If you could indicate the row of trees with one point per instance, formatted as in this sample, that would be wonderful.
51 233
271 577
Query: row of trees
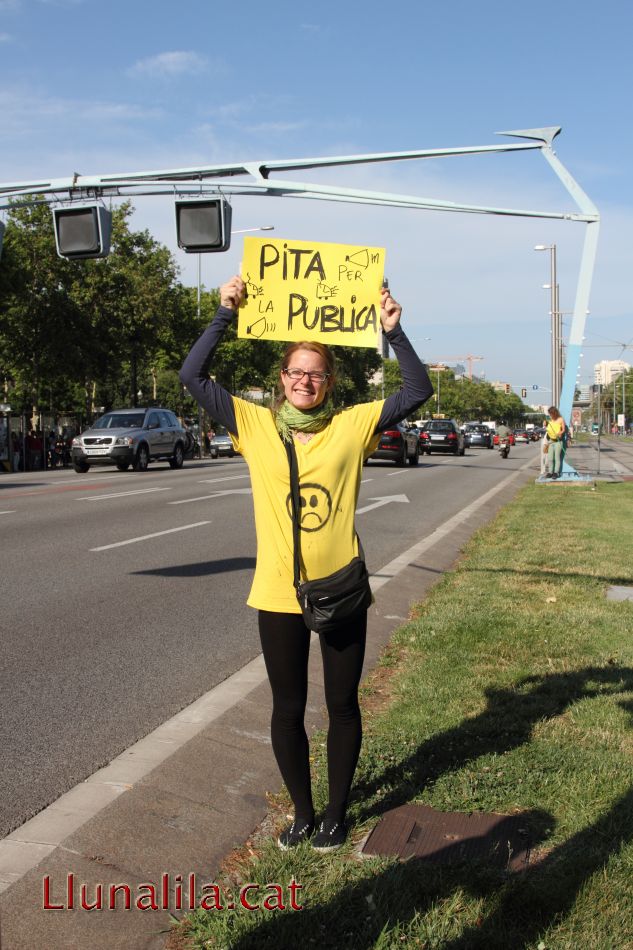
463 399
82 335
78 336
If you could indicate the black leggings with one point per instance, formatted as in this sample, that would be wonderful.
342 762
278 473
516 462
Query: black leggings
286 645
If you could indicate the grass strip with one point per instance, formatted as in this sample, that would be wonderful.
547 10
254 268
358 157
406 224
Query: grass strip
510 690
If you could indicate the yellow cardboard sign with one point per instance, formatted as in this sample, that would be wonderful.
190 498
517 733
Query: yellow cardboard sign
299 290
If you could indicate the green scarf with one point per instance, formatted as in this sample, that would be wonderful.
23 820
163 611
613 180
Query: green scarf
288 418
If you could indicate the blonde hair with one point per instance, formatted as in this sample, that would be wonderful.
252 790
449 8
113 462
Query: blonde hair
322 350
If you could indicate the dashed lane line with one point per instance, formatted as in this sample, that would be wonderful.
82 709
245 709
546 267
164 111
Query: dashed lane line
121 494
148 537
225 478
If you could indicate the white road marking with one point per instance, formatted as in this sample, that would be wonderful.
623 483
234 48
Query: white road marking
366 480
393 568
379 502
121 494
225 478
216 494
88 479
403 471
147 537
10 512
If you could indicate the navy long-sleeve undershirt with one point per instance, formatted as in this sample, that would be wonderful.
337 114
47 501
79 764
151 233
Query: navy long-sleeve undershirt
218 402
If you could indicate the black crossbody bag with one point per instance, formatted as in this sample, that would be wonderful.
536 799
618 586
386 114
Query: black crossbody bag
328 602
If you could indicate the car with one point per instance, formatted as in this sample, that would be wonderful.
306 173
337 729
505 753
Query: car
221 445
442 435
135 437
399 444
478 435
521 435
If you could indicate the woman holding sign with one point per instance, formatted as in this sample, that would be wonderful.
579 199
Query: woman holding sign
330 448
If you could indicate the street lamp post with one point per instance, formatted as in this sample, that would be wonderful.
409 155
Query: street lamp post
555 323
437 368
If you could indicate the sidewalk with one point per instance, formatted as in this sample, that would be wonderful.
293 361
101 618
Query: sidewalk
183 816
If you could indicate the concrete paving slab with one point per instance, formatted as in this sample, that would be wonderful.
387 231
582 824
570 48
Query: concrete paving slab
229 780
619 592
27 924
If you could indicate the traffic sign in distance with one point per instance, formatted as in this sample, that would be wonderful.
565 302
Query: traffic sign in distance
534 386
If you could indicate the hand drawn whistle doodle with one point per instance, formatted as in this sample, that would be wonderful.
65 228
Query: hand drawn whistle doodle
324 292
360 258
252 289
260 327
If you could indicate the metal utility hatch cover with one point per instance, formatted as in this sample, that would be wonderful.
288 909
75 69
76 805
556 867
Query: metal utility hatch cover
417 831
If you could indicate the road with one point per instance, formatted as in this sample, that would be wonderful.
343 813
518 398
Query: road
124 597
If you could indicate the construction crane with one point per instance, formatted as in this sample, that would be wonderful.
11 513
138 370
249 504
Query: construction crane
470 358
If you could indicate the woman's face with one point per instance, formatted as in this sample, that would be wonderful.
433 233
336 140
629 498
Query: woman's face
305 393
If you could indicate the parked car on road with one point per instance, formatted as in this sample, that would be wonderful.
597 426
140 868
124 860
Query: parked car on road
478 436
399 444
133 437
221 445
442 435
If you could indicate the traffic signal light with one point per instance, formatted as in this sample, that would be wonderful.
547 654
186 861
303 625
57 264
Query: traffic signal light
506 388
82 231
523 393
203 226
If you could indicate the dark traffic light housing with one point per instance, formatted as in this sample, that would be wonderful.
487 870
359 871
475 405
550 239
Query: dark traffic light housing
82 231
203 226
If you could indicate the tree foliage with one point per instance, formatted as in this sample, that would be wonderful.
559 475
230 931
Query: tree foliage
78 337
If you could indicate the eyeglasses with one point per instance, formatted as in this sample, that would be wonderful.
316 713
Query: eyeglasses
300 373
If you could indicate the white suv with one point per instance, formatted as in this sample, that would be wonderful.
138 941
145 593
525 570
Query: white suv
133 437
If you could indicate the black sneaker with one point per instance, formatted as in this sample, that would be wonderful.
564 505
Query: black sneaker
331 835
295 834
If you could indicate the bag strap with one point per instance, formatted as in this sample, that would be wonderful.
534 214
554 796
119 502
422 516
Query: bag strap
295 500
291 452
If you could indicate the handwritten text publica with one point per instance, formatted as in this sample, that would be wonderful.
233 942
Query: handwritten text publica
302 263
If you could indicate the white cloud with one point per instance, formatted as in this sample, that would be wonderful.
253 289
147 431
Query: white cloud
25 111
6 38
168 65
275 127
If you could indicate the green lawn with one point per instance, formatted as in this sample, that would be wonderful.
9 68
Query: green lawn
510 690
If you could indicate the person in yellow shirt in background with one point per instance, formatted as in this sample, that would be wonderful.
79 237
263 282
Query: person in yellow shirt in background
555 434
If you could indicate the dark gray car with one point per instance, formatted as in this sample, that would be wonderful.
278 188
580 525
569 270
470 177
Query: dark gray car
133 437
478 436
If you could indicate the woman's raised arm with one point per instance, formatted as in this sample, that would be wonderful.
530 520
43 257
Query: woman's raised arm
417 387
194 374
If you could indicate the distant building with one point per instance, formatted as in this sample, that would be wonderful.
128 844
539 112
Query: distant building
584 395
605 371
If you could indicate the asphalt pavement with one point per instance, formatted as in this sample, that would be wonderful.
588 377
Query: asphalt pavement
171 790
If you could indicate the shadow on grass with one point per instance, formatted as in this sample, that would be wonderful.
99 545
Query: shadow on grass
548 575
521 906
505 724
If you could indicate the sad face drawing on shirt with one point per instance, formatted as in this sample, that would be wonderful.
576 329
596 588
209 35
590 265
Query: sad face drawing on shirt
315 506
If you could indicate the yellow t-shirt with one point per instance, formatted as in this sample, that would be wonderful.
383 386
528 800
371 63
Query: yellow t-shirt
555 429
330 470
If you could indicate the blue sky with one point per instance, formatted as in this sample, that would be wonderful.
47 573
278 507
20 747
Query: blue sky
100 88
